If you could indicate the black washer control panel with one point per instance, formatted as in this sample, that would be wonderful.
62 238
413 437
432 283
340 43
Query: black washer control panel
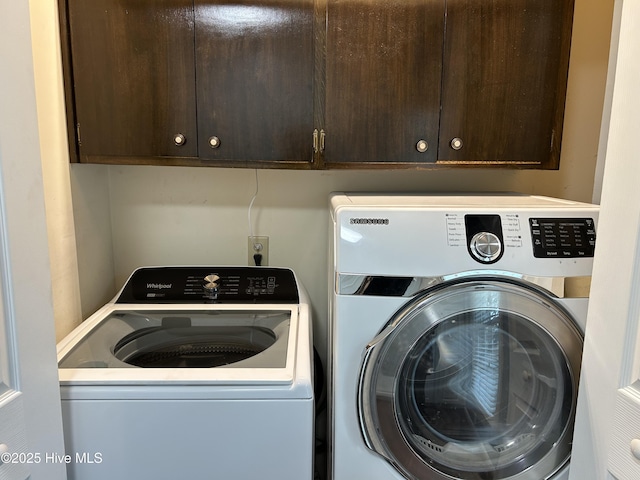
563 237
210 285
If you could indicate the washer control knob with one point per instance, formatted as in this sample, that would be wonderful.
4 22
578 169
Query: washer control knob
211 287
485 246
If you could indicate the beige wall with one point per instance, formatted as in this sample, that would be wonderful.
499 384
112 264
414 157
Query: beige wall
55 165
127 216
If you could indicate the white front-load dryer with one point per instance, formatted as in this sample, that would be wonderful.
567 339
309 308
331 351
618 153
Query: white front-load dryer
456 335
192 372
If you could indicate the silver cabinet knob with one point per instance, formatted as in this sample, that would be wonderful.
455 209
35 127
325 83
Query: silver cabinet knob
214 142
422 146
179 139
456 143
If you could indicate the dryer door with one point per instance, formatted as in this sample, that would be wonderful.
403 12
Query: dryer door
473 380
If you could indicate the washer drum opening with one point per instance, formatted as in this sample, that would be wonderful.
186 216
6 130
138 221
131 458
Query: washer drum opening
193 347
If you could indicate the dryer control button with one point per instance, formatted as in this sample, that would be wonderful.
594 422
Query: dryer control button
486 246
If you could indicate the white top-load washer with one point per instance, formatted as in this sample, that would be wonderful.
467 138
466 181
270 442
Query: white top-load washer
192 372
456 329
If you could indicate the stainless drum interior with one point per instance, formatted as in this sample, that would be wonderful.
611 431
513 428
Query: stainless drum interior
192 347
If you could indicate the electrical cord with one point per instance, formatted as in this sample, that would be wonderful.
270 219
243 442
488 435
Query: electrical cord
257 258
253 199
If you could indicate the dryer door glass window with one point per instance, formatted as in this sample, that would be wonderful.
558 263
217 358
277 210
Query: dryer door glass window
475 380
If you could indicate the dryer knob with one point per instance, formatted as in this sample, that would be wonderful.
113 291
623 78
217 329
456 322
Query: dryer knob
486 246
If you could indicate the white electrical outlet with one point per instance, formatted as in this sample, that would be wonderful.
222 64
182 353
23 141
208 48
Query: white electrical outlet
258 246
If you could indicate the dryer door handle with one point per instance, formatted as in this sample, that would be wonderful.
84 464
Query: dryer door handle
379 338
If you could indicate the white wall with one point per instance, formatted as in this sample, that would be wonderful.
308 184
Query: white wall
126 216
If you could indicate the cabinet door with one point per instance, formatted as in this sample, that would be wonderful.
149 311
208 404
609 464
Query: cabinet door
383 69
504 81
133 74
255 66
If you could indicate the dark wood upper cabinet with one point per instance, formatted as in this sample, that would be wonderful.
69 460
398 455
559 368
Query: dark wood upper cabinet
170 82
133 77
317 83
477 82
504 81
254 69
384 65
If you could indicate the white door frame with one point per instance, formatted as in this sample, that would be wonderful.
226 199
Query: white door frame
29 365
605 421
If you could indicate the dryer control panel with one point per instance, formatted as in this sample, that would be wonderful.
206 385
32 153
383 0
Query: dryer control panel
210 285
551 237
563 237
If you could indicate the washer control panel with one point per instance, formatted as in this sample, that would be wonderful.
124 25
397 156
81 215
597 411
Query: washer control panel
563 237
210 285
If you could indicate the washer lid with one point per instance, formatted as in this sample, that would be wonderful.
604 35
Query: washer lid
473 380
187 339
